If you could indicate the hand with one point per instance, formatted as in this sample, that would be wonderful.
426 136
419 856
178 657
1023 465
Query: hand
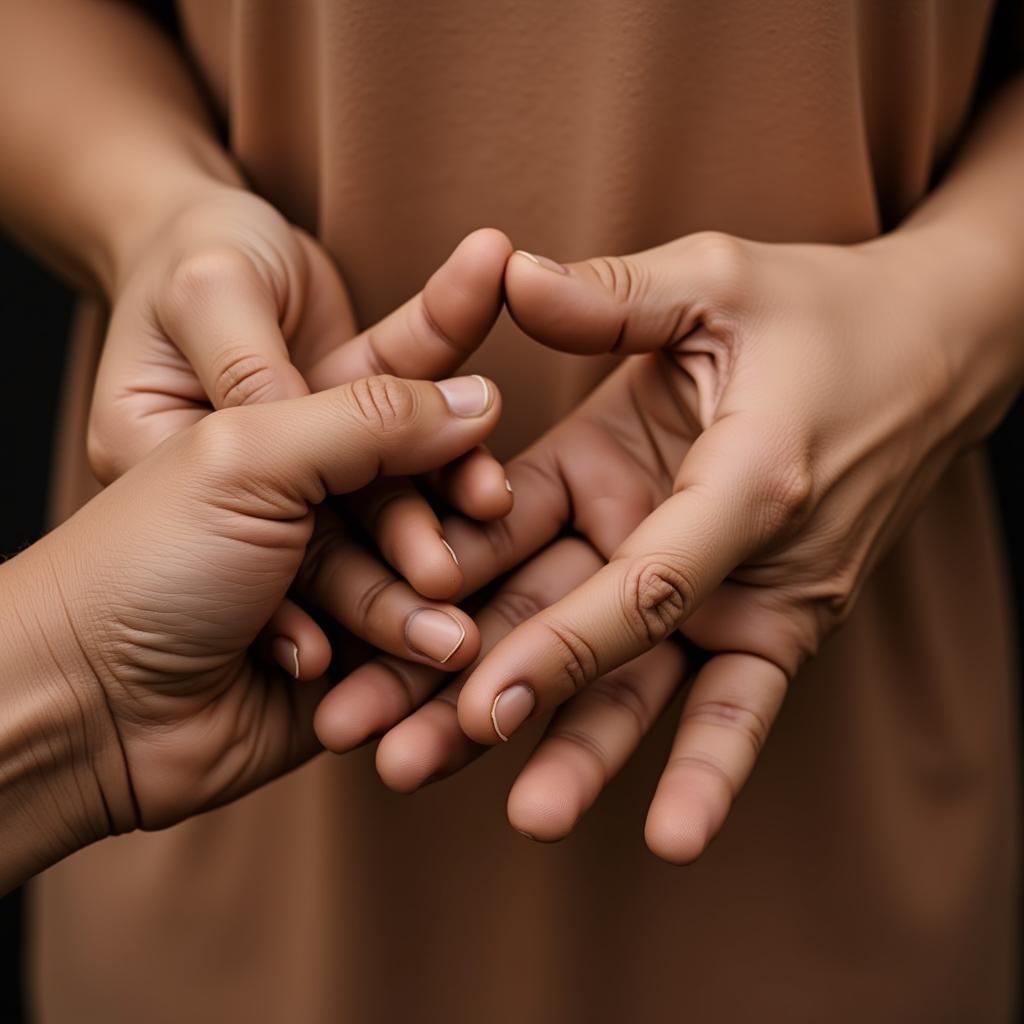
230 305
150 597
793 406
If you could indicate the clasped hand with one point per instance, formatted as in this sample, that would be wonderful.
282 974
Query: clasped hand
779 414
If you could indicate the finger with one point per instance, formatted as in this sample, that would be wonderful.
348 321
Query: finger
577 475
727 506
725 722
381 693
588 742
371 699
407 531
476 484
293 640
338 441
409 536
225 318
428 337
427 746
634 303
432 334
430 744
341 578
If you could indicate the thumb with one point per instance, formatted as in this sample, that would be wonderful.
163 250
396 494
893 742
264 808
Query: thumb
223 316
339 440
633 303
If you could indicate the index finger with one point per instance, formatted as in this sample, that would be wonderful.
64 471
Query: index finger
433 333
664 570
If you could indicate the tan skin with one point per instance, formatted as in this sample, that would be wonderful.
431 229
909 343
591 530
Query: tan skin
794 407
145 701
786 409
217 300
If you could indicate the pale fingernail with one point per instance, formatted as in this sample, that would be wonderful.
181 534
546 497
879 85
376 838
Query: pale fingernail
455 557
526 835
286 654
434 633
543 261
511 708
508 485
466 396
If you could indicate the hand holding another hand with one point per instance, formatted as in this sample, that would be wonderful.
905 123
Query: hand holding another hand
783 411
151 597
228 304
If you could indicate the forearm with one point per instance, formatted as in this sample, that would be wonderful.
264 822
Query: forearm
63 781
966 247
110 134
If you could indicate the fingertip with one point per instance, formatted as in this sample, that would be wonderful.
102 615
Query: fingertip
406 757
477 486
486 249
463 297
561 307
475 715
679 838
296 643
255 379
435 574
547 808
357 709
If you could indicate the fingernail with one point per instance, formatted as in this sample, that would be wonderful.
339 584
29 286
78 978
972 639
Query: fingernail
455 557
286 654
466 396
434 633
511 708
526 835
543 261
508 485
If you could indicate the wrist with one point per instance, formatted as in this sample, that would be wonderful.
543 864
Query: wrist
63 778
964 287
177 174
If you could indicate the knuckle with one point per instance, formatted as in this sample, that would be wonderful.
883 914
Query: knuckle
704 764
425 326
786 496
593 751
724 262
579 661
378 362
622 279
242 378
836 599
733 716
624 691
515 606
220 443
656 598
404 686
203 273
384 403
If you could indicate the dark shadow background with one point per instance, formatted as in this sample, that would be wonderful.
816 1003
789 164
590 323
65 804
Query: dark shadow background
36 311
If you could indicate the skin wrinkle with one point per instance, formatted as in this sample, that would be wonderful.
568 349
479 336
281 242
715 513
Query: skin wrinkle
62 604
